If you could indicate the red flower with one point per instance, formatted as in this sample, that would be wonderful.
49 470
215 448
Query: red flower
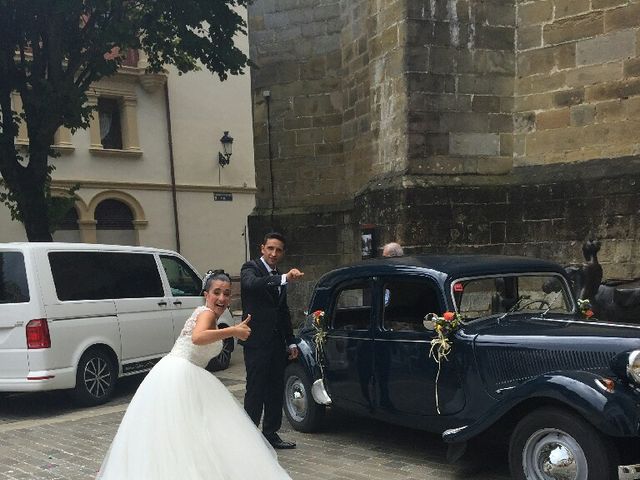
588 313
449 316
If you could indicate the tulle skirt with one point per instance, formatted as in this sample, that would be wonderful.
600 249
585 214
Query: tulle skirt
183 424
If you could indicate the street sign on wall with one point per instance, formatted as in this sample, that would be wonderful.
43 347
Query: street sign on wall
222 197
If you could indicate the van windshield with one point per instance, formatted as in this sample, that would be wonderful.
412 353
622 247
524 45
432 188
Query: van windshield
13 278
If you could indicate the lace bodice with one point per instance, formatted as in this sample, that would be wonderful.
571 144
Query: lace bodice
185 348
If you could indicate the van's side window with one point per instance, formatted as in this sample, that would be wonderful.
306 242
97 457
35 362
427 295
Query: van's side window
13 278
182 279
103 275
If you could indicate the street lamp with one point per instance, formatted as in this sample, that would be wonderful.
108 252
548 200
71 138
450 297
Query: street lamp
227 144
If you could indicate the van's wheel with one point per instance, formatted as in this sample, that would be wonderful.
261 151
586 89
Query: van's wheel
223 359
552 443
304 414
95 378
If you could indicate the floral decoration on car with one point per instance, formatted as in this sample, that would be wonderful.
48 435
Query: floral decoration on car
320 336
444 326
585 307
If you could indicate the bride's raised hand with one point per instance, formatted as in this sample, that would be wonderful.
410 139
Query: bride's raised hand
242 329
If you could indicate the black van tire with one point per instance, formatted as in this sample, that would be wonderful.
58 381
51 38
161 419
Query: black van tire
95 378
302 411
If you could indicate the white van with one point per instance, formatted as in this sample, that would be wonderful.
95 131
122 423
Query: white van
78 316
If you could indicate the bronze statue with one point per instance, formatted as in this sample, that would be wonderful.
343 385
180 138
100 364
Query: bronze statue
615 301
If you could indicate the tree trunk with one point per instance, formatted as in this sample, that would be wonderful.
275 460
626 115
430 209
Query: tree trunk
35 215
32 201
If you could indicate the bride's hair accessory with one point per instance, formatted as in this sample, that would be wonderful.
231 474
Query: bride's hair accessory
212 275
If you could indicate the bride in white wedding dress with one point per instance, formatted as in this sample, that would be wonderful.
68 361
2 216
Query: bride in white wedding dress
182 423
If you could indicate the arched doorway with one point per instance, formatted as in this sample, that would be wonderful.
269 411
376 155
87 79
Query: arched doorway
114 223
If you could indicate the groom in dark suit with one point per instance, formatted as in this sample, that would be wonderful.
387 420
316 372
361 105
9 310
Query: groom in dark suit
264 296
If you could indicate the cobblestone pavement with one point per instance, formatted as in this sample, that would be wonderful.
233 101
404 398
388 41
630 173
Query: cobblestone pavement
43 436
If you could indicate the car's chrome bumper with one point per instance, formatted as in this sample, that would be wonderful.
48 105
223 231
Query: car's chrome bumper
629 472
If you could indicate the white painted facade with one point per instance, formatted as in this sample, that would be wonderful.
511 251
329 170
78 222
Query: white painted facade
201 108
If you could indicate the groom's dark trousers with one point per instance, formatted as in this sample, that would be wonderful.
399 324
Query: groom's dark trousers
265 351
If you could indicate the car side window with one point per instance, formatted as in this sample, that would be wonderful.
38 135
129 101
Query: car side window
182 279
13 278
82 276
407 302
104 275
352 310
138 275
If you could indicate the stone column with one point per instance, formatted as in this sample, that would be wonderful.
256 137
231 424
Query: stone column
88 231
62 139
94 124
137 226
130 140
23 136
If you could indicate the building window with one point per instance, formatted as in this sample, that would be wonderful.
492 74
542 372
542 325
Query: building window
131 58
114 223
113 126
110 124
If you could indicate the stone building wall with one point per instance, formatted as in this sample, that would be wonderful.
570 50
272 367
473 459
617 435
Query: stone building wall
460 72
544 213
298 145
577 90
496 126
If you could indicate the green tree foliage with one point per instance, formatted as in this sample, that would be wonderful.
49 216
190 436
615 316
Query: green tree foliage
51 51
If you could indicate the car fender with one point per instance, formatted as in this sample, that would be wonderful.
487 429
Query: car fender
614 413
307 358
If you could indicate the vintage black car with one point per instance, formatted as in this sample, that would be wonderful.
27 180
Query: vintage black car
526 364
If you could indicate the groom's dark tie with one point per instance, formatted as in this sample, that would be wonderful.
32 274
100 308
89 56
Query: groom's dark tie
275 272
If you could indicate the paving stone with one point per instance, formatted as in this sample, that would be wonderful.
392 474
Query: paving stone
60 442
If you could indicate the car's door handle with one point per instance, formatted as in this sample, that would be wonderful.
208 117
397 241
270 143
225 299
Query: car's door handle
177 302
162 303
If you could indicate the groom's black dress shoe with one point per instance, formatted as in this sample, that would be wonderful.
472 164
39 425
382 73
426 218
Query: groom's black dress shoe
276 442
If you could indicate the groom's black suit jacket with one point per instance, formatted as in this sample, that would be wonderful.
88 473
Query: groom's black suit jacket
270 316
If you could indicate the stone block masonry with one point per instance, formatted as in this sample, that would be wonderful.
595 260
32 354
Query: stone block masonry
584 60
450 125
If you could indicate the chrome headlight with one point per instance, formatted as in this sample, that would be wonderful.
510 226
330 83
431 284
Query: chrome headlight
633 366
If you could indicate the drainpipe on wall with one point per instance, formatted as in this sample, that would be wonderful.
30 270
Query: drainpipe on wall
267 97
171 164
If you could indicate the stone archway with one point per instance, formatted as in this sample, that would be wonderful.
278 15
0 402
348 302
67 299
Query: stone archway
78 214
107 232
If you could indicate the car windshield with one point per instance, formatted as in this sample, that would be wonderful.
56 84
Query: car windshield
481 297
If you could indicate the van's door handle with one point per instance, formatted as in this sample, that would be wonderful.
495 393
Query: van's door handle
177 302
162 303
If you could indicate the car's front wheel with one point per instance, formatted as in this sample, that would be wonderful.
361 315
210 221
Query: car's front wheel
552 443
95 378
304 414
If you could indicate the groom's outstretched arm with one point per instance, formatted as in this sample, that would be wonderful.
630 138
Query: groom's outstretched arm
251 280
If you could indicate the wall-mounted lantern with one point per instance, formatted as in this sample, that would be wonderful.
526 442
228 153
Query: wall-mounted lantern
227 145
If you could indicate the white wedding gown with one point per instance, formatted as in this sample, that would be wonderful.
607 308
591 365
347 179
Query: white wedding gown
183 424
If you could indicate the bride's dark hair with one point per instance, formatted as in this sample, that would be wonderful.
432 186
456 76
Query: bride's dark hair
213 275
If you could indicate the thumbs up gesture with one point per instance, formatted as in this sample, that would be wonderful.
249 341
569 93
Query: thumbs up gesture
242 330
